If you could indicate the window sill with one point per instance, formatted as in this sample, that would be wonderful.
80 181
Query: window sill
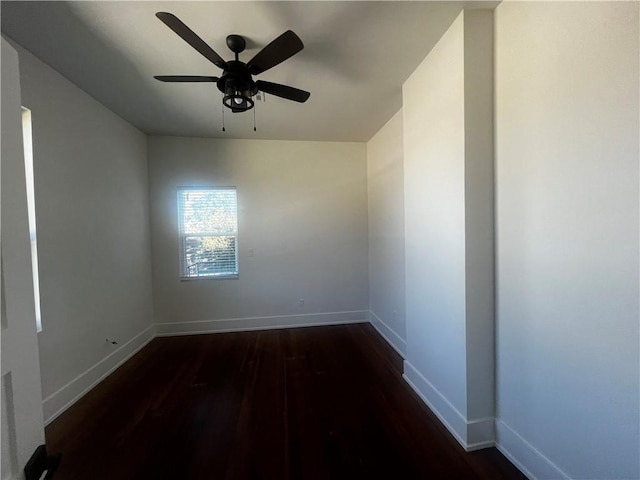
210 277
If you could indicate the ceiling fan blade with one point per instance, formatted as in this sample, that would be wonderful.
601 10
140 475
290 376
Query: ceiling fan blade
283 91
283 47
184 32
185 78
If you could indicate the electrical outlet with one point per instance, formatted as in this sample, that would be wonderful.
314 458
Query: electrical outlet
301 302
251 252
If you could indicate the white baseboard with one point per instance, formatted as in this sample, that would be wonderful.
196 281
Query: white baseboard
480 434
62 399
439 405
471 434
392 338
525 456
260 323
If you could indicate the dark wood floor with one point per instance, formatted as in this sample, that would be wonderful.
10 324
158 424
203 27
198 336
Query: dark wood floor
307 403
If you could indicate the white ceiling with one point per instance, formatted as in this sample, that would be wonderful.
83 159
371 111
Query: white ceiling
356 57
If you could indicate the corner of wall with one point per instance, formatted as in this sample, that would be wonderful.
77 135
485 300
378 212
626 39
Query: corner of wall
449 246
470 434
391 337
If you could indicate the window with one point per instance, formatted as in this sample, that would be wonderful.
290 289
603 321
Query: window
208 219
31 210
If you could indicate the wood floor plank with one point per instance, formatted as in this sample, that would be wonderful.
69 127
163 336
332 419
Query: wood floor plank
307 403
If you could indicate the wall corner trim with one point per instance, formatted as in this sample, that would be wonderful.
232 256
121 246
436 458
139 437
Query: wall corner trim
386 332
471 434
59 401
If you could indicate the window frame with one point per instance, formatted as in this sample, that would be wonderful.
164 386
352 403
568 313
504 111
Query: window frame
182 236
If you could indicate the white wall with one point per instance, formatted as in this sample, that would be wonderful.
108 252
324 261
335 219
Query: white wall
385 182
479 213
303 212
448 185
91 188
567 211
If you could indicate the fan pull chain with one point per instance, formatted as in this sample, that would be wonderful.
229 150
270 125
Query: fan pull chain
222 103
254 118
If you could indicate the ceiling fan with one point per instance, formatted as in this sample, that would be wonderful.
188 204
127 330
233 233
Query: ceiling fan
236 83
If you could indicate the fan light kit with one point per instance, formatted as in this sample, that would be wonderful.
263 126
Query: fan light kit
236 83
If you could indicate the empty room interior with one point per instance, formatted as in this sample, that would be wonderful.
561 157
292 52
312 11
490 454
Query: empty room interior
286 240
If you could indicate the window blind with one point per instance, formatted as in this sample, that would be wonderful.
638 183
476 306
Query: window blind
208 231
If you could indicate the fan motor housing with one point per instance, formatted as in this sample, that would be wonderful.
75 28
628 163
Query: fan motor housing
237 86
237 75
